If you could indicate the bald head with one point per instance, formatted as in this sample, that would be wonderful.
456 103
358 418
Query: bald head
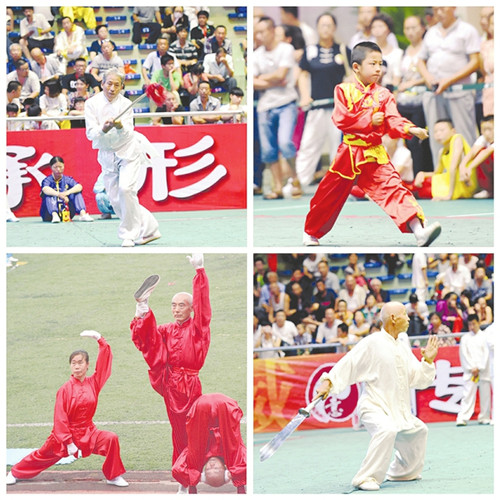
37 55
394 318
215 472
182 306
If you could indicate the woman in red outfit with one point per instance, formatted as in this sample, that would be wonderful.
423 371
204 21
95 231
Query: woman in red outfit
74 432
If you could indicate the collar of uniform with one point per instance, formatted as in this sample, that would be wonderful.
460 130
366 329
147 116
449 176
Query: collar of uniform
185 323
365 88
387 335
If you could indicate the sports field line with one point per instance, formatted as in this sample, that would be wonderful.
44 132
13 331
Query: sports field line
243 216
486 214
281 209
278 209
125 422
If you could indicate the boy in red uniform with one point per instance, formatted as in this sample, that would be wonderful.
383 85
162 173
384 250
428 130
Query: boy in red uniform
215 452
365 111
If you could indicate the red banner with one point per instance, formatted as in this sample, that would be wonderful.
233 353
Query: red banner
199 167
282 386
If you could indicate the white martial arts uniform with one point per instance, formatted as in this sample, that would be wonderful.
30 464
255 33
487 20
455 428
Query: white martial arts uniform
389 370
475 353
122 152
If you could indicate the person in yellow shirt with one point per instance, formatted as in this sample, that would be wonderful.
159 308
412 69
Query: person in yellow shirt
445 182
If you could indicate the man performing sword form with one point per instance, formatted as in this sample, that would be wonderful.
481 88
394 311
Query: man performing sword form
122 152
389 370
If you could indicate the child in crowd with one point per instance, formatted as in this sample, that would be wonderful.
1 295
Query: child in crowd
78 109
13 112
235 98
480 158
365 111
445 184
54 102
33 111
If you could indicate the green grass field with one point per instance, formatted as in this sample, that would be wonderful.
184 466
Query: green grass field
53 297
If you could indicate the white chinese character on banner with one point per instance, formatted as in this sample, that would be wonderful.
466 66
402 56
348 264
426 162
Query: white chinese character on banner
17 171
160 164
448 382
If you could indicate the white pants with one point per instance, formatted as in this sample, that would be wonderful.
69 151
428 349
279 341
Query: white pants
120 180
410 448
469 401
317 129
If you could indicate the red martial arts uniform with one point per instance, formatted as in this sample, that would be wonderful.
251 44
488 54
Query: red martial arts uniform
175 353
76 404
213 429
361 159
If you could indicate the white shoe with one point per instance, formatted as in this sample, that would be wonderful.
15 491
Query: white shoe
128 243
146 288
482 195
10 478
117 481
183 490
484 422
149 239
407 478
310 241
461 423
426 235
86 218
55 218
12 218
369 485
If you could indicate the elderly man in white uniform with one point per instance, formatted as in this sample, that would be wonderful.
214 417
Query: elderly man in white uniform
122 152
389 370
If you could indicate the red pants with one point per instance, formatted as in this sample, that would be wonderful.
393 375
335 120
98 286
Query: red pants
425 191
178 406
380 182
106 445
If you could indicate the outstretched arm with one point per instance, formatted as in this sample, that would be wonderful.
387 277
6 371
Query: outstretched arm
201 297
104 359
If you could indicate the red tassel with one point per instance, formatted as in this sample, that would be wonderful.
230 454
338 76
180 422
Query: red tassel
156 93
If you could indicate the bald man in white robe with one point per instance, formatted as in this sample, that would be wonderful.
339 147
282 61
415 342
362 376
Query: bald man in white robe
389 370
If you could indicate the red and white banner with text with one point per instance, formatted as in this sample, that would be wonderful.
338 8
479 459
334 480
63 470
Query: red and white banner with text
282 386
199 167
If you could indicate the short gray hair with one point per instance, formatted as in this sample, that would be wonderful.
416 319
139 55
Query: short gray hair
186 295
116 72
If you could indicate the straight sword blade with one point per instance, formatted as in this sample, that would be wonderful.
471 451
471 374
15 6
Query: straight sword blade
270 448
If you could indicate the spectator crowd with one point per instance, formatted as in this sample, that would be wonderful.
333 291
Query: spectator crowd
309 305
52 69
439 67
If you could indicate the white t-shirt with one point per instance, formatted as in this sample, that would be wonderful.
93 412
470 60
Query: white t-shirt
268 61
